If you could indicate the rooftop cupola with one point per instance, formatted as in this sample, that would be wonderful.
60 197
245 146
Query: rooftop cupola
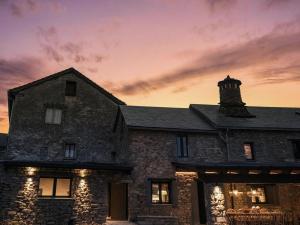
231 103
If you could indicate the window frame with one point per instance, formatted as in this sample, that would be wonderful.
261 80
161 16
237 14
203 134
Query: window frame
180 146
160 183
67 91
295 150
75 151
253 158
54 187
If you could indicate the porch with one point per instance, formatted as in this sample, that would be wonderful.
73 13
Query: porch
246 194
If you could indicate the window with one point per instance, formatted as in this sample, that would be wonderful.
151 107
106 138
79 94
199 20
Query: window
53 116
248 151
296 146
160 192
182 146
263 194
70 151
55 187
258 194
70 88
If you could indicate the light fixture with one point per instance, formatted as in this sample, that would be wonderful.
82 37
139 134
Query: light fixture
211 172
253 172
30 171
274 172
185 173
83 172
235 192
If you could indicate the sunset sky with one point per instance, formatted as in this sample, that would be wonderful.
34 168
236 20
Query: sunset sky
156 52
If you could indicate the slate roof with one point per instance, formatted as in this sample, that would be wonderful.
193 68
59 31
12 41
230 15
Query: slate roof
163 118
267 118
14 91
3 139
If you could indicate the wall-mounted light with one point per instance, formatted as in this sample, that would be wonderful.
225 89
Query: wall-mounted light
185 173
83 172
30 171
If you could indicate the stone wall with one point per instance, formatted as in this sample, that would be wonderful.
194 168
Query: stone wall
269 146
20 204
87 121
152 153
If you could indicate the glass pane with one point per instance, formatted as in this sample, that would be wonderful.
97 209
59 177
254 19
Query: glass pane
258 195
48 117
67 154
57 116
155 193
248 151
63 187
71 153
184 147
46 186
165 193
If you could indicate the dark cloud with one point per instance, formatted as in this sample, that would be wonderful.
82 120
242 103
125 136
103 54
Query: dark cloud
215 5
281 74
60 51
265 50
52 53
273 3
21 8
14 72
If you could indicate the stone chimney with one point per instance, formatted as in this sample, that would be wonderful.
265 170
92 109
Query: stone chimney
231 103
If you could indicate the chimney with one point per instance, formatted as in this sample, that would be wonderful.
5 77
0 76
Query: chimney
231 103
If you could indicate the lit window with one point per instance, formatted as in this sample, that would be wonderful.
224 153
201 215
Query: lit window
248 151
296 146
160 192
53 116
258 195
182 146
55 187
70 151
70 88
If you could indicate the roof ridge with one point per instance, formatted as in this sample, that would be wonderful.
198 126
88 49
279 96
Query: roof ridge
161 107
253 106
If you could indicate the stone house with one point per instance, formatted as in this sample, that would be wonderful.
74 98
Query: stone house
75 154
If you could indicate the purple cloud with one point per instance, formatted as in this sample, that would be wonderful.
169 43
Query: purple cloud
265 50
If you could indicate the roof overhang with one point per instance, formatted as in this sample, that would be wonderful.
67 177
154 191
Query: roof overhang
69 165
237 172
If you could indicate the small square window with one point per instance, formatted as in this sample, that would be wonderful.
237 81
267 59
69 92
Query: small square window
182 146
160 192
70 151
71 87
54 187
248 151
296 146
53 116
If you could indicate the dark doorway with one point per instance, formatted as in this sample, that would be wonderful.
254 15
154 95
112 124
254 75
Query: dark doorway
118 201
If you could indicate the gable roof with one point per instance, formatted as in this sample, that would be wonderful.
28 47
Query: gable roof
267 118
14 91
162 118
3 139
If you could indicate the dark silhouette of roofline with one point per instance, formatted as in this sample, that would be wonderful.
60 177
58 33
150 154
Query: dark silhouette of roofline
12 92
